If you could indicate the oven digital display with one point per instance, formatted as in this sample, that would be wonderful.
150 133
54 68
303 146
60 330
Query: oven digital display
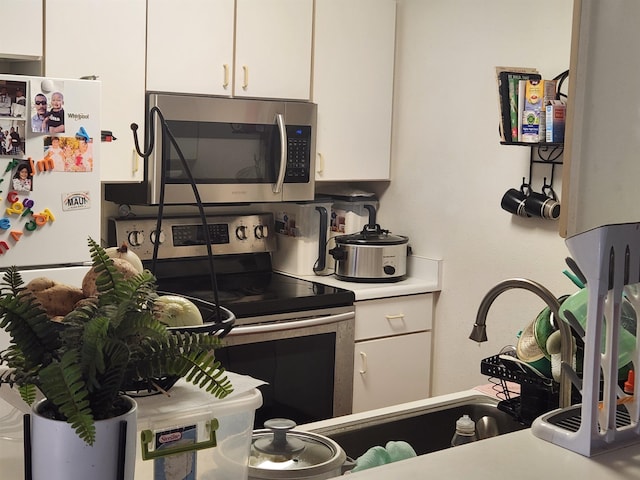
188 235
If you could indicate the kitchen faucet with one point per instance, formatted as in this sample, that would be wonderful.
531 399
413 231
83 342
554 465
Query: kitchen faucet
479 332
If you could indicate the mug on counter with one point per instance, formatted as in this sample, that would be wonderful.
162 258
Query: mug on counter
544 205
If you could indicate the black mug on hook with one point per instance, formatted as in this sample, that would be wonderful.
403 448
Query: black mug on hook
544 205
513 201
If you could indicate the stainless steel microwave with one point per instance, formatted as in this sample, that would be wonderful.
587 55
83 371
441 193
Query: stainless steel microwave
237 150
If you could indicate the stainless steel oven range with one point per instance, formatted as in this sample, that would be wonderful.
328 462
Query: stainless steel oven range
294 334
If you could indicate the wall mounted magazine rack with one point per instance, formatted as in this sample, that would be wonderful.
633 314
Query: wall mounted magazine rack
607 419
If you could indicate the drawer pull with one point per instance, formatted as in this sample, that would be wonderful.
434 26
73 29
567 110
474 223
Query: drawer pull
363 363
395 317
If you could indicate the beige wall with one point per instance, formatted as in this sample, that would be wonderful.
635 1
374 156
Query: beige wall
449 170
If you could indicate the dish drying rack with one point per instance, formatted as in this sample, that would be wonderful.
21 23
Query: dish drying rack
536 395
609 257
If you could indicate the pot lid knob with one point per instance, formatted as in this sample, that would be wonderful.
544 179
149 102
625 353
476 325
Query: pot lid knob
280 444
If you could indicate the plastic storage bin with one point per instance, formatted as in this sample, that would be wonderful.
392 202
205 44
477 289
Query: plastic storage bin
302 232
182 418
351 214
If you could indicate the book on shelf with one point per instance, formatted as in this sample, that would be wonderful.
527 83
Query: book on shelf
548 96
556 112
507 80
530 110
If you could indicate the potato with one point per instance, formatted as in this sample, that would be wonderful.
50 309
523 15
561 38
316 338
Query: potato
57 299
40 283
89 281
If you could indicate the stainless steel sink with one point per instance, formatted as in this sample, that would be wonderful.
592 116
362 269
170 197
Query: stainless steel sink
427 429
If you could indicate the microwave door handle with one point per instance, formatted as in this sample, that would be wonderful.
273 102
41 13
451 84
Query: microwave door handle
277 187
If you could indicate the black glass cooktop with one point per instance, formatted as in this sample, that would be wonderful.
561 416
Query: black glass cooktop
250 293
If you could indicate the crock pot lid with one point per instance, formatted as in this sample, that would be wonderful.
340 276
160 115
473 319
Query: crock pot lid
317 452
363 238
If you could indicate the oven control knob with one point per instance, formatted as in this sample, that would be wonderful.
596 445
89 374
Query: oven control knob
135 238
157 238
241 232
261 231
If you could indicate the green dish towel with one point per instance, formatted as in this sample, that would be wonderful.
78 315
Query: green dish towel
378 455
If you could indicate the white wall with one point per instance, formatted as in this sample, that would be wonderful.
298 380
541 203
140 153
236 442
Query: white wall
449 170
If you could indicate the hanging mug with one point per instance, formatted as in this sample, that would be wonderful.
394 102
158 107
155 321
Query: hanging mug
543 205
513 201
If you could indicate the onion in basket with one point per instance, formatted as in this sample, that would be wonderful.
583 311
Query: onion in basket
125 253
177 311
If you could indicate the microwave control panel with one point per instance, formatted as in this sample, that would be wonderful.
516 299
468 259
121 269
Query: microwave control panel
298 154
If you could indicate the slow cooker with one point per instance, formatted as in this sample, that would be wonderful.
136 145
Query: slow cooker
278 452
373 255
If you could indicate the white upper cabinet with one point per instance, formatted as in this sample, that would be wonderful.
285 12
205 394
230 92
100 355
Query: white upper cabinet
190 46
105 39
354 51
21 29
273 48
190 49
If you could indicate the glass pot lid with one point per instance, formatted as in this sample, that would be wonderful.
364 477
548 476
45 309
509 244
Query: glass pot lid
278 447
372 235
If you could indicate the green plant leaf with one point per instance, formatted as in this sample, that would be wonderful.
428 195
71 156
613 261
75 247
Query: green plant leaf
84 364
63 385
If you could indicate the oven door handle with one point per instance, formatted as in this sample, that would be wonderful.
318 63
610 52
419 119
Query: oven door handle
277 187
280 326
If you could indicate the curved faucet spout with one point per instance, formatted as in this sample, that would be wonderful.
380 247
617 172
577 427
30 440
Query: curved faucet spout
479 332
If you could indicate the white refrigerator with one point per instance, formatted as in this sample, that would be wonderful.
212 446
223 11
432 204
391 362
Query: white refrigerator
49 176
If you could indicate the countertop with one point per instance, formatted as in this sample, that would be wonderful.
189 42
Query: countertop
424 275
518 455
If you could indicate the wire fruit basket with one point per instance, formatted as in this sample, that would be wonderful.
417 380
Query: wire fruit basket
218 321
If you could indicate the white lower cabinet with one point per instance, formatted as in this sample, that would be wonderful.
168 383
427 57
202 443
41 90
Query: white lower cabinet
392 358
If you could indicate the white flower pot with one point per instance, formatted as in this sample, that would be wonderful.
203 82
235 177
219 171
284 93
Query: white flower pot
57 453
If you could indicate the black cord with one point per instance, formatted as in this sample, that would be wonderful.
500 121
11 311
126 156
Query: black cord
316 271
166 133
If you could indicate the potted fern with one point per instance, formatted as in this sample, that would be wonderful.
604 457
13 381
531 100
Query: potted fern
83 364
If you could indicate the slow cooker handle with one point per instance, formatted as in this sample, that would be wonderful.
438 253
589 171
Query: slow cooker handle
373 230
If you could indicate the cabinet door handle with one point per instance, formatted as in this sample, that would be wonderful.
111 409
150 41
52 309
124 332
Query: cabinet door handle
363 363
135 162
245 84
395 317
225 82
320 166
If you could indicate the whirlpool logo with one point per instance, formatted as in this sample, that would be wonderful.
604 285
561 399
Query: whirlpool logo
76 201
78 116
